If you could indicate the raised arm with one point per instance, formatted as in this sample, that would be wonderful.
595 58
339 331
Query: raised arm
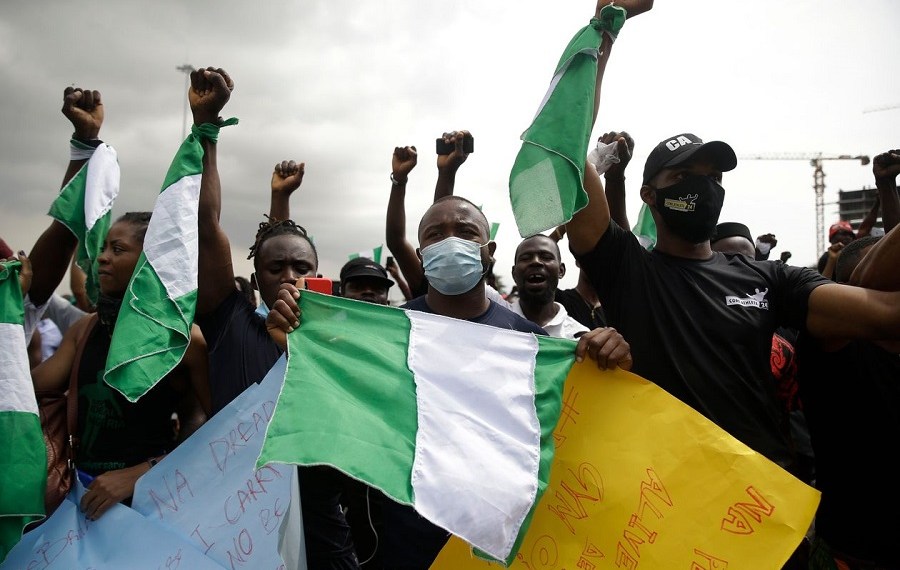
210 90
395 272
591 222
615 176
879 268
448 164
886 167
402 163
53 250
852 312
286 178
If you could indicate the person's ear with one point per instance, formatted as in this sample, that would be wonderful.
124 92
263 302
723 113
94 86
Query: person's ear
648 195
492 247
562 270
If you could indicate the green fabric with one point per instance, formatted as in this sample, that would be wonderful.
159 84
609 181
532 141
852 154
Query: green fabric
546 181
153 330
23 475
68 209
645 228
11 309
23 455
352 412
152 334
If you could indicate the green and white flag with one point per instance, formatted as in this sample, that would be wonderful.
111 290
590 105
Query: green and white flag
494 227
451 417
84 205
153 329
546 182
23 455
373 254
645 228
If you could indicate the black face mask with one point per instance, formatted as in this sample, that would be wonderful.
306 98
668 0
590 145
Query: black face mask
691 207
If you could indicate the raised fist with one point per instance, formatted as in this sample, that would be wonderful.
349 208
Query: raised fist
85 111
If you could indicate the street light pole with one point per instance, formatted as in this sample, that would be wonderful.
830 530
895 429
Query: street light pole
186 69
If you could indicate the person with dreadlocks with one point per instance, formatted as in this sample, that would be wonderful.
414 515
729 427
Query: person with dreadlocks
240 350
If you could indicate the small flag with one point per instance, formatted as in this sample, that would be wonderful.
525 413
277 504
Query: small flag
153 329
23 455
451 417
494 227
373 254
84 205
546 181
645 228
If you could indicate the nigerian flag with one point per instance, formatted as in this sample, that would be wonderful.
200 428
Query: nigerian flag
153 329
645 228
374 254
546 181
84 205
23 456
494 227
451 417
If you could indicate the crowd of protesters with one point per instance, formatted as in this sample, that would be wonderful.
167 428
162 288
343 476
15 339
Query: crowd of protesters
800 364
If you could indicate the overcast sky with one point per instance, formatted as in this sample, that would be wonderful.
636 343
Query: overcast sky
339 84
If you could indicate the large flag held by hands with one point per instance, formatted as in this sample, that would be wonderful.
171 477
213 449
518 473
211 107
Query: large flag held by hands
23 456
153 329
451 417
545 185
84 205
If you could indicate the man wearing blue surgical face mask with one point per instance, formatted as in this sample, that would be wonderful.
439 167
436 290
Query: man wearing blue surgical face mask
456 254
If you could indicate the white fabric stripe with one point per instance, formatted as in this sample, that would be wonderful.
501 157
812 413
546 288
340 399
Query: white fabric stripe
16 389
101 185
478 441
171 243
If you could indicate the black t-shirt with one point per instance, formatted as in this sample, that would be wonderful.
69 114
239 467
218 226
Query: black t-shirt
115 433
702 329
241 352
578 309
851 398
410 541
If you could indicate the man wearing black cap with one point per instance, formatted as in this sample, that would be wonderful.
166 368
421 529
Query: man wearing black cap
364 280
700 323
733 237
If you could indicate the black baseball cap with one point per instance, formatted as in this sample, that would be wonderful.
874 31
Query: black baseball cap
732 229
680 148
364 267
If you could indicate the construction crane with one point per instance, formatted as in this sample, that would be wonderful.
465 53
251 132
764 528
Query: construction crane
815 160
882 108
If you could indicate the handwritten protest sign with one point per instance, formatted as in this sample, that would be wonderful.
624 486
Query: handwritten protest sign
121 538
204 506
642 480
210 491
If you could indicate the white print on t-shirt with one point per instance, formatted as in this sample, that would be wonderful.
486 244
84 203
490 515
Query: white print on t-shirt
682 204
757 300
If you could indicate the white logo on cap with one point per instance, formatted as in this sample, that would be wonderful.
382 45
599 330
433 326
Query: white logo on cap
678 142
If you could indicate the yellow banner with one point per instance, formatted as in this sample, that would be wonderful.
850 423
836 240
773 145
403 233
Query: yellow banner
641 480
